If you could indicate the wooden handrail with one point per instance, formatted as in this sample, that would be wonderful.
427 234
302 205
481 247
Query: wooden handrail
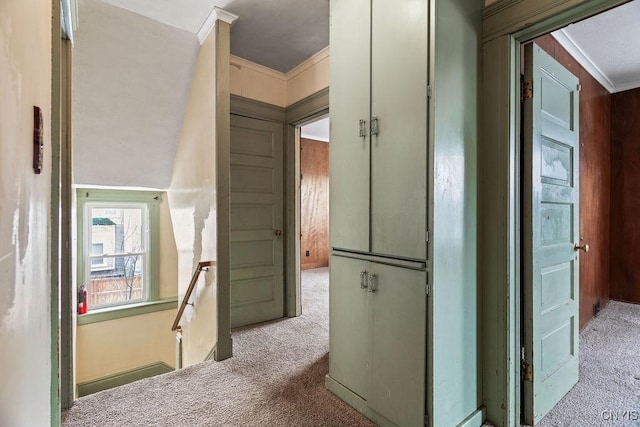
202 265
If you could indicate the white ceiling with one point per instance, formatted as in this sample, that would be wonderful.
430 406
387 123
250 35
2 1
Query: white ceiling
131 81
132 67
317 130
278 34
607 46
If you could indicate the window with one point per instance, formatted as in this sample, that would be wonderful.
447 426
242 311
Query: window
97 249
117 247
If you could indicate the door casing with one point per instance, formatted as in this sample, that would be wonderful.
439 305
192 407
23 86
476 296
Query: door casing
507 24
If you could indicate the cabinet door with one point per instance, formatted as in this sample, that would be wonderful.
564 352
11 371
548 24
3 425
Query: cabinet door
398 355
399 54
349 327
349 156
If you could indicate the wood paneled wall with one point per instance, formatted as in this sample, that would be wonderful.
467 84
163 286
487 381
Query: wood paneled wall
314 195
625 196
595 182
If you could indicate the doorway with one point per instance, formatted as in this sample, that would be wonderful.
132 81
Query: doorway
505 28
314 250
608 99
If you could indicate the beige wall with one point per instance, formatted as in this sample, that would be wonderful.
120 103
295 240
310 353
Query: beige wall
309 77
25 318
113 346
192 201
107 348
254 81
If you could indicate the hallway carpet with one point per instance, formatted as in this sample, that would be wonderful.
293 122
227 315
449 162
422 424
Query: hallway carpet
276 378
608 393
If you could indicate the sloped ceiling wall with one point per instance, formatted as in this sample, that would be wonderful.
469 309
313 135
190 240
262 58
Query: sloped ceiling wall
131 80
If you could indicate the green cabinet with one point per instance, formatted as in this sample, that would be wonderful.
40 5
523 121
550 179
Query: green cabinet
379 109
378 338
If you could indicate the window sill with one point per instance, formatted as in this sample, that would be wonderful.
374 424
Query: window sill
113 313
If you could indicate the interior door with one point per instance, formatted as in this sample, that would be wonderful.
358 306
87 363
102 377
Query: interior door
349 157
399 149
550 212
257 243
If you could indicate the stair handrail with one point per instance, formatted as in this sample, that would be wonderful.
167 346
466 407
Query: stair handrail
202 266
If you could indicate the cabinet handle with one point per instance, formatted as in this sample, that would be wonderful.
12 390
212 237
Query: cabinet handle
375 126
373 282
363 279
363 128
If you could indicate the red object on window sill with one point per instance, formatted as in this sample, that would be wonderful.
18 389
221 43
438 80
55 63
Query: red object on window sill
82 300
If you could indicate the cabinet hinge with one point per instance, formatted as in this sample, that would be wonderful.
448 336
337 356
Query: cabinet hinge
527 371
429 91
527 90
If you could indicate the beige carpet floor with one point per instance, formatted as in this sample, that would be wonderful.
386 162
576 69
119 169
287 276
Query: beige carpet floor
276 378
608 392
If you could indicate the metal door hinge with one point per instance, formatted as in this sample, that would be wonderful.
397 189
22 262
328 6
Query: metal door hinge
527 90
429 91
427 288
579 87
527 371
427 236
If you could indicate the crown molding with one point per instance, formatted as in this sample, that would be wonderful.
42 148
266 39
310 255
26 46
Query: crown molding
308 63
583 59
208 24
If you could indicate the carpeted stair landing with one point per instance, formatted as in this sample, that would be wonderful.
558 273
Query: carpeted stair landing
276 378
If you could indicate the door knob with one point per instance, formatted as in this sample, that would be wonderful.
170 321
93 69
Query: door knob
278 233
578 247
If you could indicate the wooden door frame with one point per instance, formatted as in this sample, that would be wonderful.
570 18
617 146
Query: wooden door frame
506 24
307 110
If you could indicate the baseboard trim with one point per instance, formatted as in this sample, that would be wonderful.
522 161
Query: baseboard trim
212 354
356 402
122 378
474 420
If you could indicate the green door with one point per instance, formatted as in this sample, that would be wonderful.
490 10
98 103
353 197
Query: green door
257 251
550 213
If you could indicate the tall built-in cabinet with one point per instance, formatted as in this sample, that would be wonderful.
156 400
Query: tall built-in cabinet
378 207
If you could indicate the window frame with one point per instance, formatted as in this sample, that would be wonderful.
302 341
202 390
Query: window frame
91 197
